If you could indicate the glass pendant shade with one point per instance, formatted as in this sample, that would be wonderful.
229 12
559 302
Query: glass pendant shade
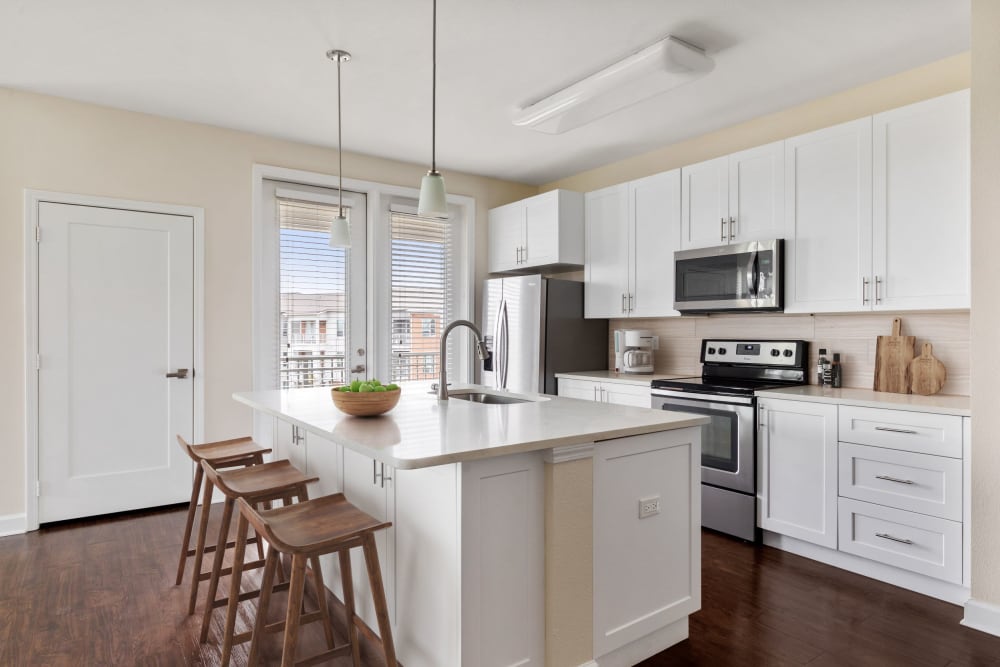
433 200
340 233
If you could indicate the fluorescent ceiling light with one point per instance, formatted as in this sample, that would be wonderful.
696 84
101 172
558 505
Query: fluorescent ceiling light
658 68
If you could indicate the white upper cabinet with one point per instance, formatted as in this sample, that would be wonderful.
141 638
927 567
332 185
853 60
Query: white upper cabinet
880 212
734 199
543 230
828 187
920 247
632 232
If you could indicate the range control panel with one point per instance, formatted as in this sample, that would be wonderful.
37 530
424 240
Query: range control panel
756 352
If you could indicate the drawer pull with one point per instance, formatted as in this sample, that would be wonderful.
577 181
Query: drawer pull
894 479
887 536
896 430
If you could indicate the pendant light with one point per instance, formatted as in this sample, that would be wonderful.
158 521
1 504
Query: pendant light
433 200
340 228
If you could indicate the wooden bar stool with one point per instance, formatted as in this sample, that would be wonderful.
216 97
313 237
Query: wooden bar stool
256 485
306 531
235 453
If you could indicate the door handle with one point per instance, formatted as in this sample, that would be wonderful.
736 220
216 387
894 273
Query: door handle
360 368
623 303
864 291
722 236
180 374
732 234
878 283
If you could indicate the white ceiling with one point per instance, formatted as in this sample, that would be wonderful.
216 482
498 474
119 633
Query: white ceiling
259 65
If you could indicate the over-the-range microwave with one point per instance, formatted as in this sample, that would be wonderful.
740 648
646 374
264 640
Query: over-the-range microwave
736 277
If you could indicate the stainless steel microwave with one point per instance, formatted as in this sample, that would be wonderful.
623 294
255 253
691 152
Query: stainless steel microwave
736 277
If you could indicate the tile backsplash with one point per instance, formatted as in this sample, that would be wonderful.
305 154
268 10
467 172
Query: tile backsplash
851 334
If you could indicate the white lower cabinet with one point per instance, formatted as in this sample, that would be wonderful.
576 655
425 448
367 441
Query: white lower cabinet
618 393
797 470
917 542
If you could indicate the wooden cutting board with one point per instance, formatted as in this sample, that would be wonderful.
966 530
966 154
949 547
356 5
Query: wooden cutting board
927 373
893 355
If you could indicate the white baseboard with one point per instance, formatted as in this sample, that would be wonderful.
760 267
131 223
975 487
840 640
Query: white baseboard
982 616
935 588
644 647
12 524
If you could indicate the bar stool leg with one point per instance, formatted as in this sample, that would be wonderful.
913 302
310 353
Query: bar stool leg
192 506
347 583
378 593
206 504
295 590
234 589
213 581
324 610
266 584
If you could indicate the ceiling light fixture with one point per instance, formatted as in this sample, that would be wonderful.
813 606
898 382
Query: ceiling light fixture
655 69
340 228
433 200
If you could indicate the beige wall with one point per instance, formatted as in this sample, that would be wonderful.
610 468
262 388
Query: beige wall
938 78
852 335
985 304
54 144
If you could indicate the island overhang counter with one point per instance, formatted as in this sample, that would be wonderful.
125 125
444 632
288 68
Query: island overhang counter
551 532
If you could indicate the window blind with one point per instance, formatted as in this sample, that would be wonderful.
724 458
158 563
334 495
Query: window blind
314 307
422 293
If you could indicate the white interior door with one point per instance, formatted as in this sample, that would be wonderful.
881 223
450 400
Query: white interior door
115 316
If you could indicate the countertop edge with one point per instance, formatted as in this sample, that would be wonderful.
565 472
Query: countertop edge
922 403
444 459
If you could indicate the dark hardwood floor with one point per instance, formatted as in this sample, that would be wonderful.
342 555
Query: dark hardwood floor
100 592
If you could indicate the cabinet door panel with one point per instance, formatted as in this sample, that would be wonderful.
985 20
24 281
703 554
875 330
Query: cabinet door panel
371 497
921 204
541 230
582 389
506 236
656 216
757 193
290 444
606 221
828 181
797 470
705 204
627 394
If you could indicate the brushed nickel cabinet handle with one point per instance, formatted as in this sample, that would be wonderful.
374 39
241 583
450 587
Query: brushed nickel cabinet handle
878 283
623 302
887 536
180 374
894 479
895 430
732 234
722 236
864 291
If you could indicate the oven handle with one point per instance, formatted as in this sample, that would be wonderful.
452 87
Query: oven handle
698 399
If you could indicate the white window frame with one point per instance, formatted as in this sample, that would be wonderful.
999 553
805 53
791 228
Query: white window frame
380 197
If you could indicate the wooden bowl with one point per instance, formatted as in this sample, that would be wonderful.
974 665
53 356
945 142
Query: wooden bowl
365 404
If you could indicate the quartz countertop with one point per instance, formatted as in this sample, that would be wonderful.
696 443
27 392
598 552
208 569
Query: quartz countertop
623 378
945 404
422 431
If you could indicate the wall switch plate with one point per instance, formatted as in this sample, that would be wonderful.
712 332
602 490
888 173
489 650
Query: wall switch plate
656 342
649 506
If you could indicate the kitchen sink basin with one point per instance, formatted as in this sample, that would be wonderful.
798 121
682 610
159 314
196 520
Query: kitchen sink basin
490 399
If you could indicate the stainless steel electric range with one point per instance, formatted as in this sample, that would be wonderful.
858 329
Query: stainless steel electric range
732 370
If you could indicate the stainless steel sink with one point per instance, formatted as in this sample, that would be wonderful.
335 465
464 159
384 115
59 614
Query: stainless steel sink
481 397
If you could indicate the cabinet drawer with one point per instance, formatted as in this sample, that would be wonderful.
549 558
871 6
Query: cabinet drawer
904 480
902 429
582 389
620 393
917 542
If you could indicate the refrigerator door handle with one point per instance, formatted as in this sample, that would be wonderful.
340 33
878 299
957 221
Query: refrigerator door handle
504 344
497 333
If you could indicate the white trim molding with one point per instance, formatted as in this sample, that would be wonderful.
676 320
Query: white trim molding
12 524
32 199
569 453
982 616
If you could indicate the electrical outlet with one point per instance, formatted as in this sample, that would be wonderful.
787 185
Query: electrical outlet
656 342
649 506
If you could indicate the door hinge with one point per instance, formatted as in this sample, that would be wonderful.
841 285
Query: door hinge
38 234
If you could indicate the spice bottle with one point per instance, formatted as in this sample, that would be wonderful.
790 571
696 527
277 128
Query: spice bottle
836 371
820 365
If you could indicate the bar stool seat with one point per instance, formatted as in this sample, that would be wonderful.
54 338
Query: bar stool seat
237 452
305 531
256 485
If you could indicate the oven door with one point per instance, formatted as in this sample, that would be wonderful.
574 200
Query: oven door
727 441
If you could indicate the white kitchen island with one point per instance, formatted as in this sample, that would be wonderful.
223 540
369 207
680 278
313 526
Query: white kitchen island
516 537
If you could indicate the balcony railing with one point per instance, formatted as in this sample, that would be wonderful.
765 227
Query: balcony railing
312 370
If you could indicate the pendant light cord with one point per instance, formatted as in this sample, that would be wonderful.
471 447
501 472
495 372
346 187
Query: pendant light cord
340 148
434 87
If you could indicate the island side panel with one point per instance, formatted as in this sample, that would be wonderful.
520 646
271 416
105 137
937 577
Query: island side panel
503 561
647 569
569 557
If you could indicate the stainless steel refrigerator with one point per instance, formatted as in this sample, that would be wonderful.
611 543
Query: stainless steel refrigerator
534 328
